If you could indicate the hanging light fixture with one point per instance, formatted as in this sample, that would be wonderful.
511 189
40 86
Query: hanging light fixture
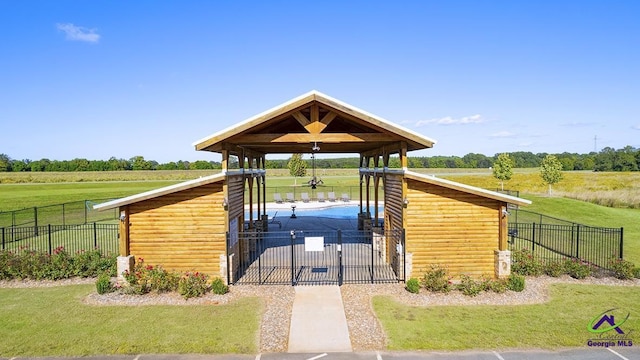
314 150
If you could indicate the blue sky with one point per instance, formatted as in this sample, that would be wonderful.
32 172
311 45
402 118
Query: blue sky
95 79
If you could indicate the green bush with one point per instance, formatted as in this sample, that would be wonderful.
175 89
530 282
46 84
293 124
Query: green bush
103 284
524 263
622 269
515 282
413 286
577 269
219 287
636 273
147 278
554 268
437 279
497 286
193 285
470 287
39 265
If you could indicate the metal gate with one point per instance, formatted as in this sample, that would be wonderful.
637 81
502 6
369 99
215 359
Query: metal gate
316 257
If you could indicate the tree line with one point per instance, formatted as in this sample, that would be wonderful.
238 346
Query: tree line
608 159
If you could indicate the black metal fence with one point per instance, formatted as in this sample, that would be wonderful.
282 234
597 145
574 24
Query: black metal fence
73 238
316 257
70 213
554 239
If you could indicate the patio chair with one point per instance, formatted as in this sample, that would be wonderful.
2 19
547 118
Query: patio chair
305 197
290 197
320 196
277 198
332 196
274 221
345 197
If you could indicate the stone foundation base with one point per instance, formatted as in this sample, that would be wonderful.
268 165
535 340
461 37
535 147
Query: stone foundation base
124 263
503 263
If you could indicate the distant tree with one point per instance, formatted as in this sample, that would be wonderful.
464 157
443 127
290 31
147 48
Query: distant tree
625 159
20 165
5 162
139 163
551 170
297 167
503 169
200 165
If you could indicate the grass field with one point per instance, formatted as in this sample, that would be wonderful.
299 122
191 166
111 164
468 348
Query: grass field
31 326
55 188
562 322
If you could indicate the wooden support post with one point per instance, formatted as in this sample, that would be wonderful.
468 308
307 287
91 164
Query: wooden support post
504 228
123 243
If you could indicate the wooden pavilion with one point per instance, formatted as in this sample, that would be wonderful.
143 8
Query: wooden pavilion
192 225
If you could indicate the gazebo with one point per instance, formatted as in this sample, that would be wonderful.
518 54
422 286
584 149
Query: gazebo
202 224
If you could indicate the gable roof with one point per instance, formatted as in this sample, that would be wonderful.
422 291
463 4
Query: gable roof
294 126
160 192
430 179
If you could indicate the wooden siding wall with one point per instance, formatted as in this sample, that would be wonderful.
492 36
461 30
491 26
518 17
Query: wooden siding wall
183 231
451 228
235 185
393 206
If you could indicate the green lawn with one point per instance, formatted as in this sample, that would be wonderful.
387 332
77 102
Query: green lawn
54 321
560 323
594 215
20 196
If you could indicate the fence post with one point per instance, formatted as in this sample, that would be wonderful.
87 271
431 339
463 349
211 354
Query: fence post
95 236
371 237
85 211
35 220
621 241
577 241
340 275
63 218
533 239
49 236
404 255
292 235
228 264
2 238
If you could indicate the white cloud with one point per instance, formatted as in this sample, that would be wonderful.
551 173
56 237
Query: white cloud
636 127
79 33
502 134
578 124
448 120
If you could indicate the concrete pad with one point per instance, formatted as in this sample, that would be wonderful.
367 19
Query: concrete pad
318 322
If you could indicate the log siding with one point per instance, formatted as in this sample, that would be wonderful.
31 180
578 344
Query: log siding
183 231
451 228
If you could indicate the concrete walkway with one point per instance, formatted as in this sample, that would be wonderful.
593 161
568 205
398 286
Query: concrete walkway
318 322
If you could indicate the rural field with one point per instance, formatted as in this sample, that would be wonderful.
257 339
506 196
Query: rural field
608 199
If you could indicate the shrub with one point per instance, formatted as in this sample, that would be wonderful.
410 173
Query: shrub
554 268
515 282
577 269
193 284
103 284
219 287
497 286
146 278
636 273
413 286
39 265
470 287
437 279
622 269
524 263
